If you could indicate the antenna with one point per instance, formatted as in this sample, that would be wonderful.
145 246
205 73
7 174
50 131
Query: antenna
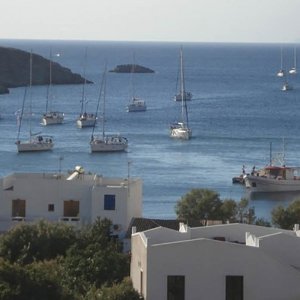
59 166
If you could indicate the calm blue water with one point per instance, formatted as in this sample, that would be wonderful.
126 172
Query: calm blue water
237 110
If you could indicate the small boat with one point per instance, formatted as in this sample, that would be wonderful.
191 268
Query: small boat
281 72
136 104
274 178
186 95
286 87
37 141
85 119
181 130
293 70
106 142
51 117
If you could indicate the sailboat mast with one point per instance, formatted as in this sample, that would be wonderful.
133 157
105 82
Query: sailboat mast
50 80
84 83
184 114
30 95
104 98
295 57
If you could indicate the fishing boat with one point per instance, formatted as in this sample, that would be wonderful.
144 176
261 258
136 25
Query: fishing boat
180 129
136 104
51 117
281 72
106 142
85 119
274 177
36 141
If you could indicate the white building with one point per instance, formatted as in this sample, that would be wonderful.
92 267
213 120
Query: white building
77 198
221 262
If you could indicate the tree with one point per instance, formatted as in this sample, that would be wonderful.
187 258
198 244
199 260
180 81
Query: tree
229 210
39 280
43 240
286 218
199 204
95 259
120 291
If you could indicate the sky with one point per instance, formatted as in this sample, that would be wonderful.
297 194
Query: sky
275 21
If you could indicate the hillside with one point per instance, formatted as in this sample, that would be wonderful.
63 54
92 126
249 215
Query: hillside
15 66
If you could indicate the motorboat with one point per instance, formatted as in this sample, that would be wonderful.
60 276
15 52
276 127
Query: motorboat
136 105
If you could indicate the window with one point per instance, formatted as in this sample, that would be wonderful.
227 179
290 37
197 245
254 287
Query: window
50 207
234 288
175 288
71 208
109 202
18 208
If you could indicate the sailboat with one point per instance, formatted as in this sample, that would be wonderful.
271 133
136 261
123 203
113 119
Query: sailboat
286 86
181 130
181 93
85 119
36 142
293 70
281 72
136 104
106 142
51 117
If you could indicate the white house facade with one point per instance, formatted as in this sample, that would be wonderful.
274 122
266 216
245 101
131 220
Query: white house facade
222 262
78 198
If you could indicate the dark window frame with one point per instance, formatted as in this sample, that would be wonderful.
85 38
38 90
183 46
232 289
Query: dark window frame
109 202
176 287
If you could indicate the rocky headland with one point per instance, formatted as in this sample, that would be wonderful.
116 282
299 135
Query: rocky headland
131 68
15 70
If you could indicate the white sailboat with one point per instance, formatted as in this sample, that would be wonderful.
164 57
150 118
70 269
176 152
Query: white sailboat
106 142
51 117
136 104
281 72
36 142
85 119
293 70
181 130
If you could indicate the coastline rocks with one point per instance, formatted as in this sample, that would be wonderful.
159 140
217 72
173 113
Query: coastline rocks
131 68
15 70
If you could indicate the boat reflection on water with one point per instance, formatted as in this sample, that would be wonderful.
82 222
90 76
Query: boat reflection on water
274 196
265 202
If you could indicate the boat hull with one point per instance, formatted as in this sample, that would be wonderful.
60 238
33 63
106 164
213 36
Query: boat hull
34 146
89 122
136 105
53 118
180 133
109 144
263 184
136 108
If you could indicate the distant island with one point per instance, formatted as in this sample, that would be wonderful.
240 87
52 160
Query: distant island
15 68
131 68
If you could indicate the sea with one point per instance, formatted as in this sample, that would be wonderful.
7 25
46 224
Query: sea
238 110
